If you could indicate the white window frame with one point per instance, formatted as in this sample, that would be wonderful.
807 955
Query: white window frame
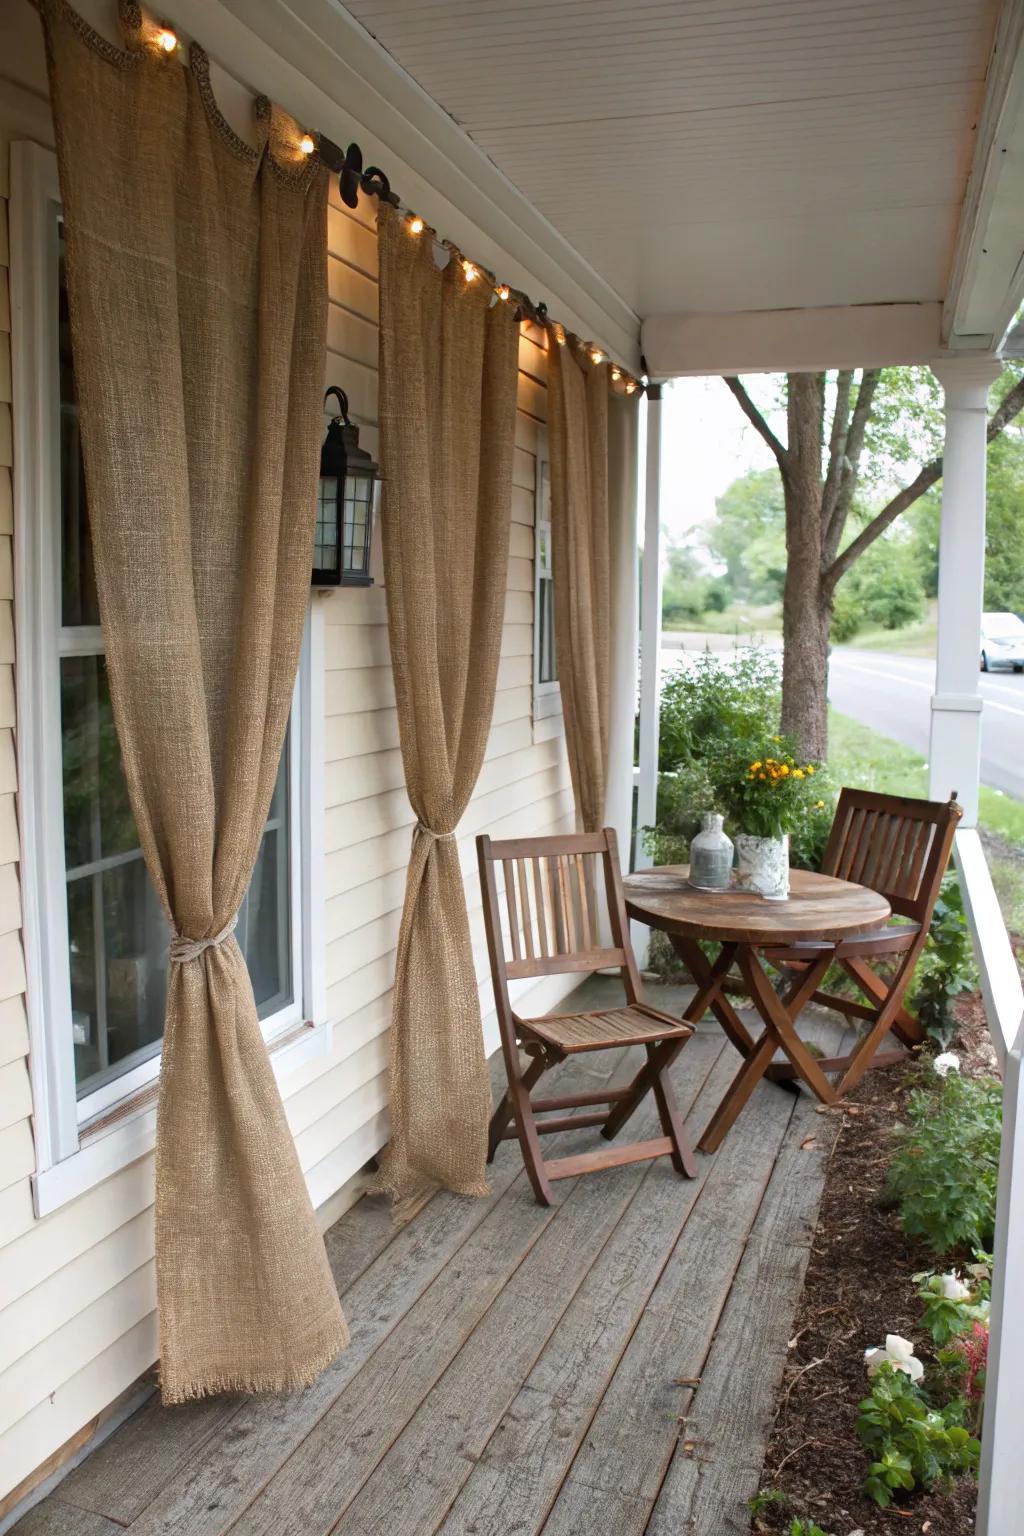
79 1142
547 694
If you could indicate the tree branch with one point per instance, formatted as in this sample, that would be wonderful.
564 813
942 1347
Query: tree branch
1010 407
757 421
836 446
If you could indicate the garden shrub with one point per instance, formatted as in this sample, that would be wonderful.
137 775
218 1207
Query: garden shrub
912 1445
944 1171
716 703
946 967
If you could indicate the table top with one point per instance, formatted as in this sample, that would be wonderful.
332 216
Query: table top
818 907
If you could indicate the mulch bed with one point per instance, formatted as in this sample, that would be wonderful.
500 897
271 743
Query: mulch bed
858 1289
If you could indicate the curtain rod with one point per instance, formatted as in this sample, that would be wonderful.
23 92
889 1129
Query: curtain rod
354 178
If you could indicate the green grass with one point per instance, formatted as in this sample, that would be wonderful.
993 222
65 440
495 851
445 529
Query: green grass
740 619
913 640
865 759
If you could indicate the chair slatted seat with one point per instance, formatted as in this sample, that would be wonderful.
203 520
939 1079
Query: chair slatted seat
542 914
899 847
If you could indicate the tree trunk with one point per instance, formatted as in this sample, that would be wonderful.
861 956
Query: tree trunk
805 613
805 625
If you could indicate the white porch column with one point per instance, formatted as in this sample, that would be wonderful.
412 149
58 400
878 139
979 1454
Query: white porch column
650 628
623 421
955 749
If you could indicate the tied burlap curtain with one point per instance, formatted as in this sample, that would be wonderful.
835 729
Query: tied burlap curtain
197 290
448 372
578 449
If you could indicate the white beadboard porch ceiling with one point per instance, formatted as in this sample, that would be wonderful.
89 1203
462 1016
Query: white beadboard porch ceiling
720 155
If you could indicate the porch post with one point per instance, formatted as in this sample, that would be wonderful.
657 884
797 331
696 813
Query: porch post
623 419
650 629
955 748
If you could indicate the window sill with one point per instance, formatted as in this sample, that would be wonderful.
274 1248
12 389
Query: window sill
128 1130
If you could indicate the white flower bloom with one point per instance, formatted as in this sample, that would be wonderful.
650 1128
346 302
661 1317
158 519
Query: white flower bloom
898 1352
952 1288
948 1062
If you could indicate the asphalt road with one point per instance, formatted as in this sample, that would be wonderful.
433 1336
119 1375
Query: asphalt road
892 693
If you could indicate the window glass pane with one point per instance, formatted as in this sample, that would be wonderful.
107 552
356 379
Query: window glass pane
78 578
117 932
547 669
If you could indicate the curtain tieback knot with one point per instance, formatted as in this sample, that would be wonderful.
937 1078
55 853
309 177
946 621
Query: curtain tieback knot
182 949
422 830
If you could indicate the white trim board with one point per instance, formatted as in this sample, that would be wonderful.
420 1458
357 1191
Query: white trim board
791 340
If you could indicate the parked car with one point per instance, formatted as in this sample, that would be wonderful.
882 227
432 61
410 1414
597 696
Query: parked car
1002 641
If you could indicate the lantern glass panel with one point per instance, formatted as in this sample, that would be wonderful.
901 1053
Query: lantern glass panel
358 495
326 550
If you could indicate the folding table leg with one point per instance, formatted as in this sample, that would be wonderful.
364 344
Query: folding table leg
700 968
779 1016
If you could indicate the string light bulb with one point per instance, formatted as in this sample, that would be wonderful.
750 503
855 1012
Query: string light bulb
469 272
166 40
560 335
414 224
503 292
596 355
616 375
631 386
307 144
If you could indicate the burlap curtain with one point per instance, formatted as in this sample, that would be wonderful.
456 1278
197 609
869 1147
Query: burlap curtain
197 289
578 451
448 370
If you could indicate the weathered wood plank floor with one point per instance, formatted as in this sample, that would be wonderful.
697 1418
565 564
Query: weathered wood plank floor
606 1365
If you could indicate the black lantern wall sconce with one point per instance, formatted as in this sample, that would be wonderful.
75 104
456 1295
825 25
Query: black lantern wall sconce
344 514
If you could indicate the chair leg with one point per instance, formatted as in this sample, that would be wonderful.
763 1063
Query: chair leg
683 1160
505 1110
519 1084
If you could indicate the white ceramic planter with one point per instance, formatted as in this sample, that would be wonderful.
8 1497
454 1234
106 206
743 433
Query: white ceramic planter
763 865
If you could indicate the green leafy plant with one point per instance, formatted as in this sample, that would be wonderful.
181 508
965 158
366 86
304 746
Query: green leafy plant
944 1170
806 1528
766 1500
952 1305
946 967
714 702
912 1445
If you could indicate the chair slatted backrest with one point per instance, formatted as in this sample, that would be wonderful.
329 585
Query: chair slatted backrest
543 907
895 845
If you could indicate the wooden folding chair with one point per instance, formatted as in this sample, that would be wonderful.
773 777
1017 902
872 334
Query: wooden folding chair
899 847
550 927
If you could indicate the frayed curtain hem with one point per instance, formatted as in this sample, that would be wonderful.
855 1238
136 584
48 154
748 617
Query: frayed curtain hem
261 1382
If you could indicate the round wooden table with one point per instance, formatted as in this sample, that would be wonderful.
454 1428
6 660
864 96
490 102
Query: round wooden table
819 911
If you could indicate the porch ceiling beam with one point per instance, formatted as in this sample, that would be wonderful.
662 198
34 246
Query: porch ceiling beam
791 340
986 286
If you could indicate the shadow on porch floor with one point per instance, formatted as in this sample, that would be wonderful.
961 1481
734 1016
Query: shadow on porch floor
609 1364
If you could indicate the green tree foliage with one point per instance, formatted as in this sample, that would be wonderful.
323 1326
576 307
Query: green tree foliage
687 587
1004 526
748 536
884 590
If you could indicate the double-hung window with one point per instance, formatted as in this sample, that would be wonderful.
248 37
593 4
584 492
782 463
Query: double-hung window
546 696
95 935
